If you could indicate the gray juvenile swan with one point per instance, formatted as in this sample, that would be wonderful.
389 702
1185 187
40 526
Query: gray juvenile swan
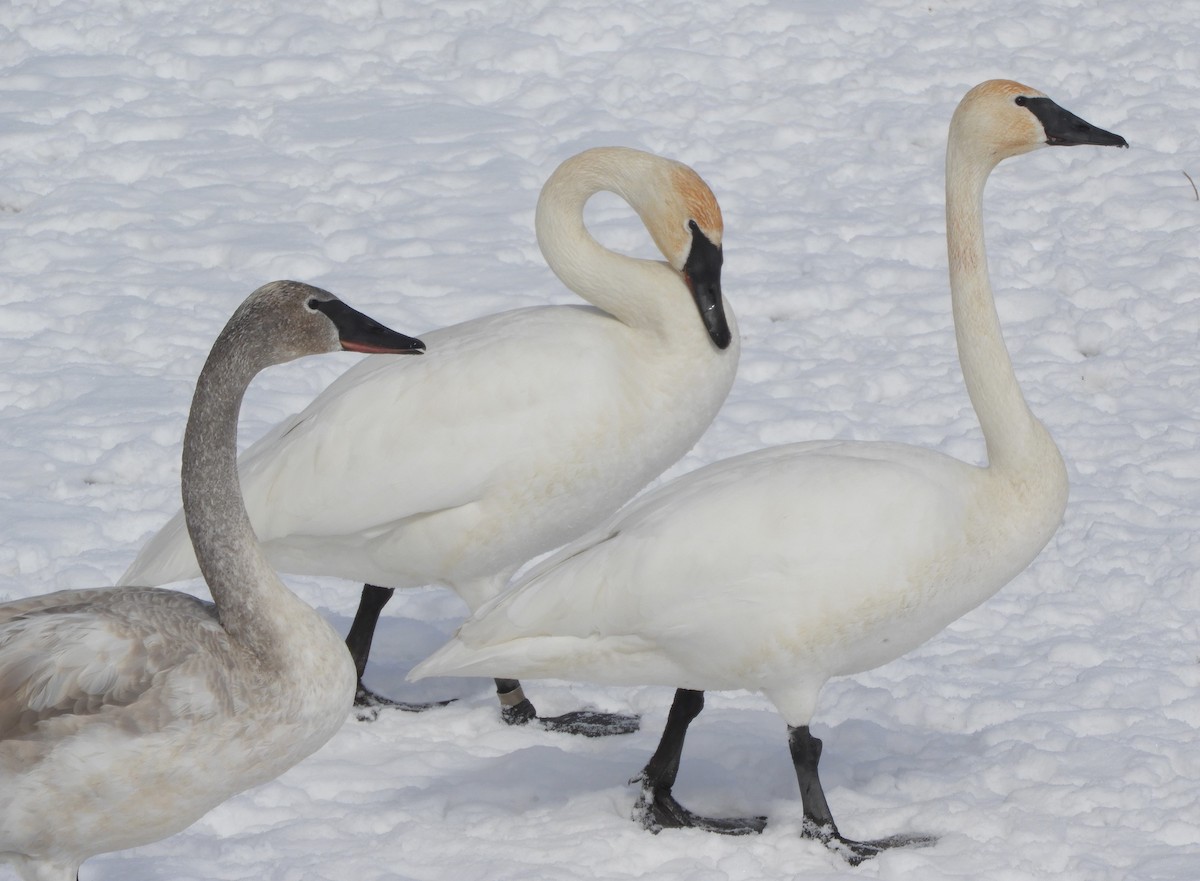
779 569
536 424
127 713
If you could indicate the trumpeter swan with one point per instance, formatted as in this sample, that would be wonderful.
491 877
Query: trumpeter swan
779 569
535 424
127 713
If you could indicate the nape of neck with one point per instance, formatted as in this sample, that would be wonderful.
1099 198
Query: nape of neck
1010 430
230 559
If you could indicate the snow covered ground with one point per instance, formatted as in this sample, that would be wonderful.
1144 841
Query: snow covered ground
159 160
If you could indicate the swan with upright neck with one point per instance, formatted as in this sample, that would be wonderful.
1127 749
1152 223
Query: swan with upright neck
536 424
779 569
127 713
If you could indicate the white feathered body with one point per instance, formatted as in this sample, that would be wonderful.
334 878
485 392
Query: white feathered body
772 571
513 434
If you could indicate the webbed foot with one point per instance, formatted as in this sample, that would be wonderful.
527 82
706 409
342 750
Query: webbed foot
657 809
516 709
856 852
367 704
591 723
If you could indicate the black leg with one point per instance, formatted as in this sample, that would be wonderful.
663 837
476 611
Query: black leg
663 768
656 808
358 640
362 631
818 820
516 709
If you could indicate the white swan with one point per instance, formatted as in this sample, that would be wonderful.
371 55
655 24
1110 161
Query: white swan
777 570
127 713
535 424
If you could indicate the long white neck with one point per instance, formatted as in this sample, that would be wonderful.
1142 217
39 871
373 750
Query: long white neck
253 604
614 282
1009 428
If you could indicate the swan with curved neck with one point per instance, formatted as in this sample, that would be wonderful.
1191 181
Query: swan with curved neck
536 424
779 569
127 713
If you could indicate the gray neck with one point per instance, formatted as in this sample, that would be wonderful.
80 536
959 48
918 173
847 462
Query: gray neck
242 583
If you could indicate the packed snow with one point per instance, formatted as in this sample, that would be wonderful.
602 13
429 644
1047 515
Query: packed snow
158 161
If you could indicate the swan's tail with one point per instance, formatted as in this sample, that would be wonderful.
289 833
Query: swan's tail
456 659
612 660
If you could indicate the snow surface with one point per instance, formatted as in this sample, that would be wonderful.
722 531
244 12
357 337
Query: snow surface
159 160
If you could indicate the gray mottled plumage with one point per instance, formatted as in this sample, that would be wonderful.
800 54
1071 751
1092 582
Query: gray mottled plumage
127 713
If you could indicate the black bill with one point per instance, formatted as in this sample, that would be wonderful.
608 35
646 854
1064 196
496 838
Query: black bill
361 333
1065 129
702 271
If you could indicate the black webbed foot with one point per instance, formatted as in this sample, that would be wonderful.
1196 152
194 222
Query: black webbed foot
657 809
516 709
818 821
367 704
856 852
591 723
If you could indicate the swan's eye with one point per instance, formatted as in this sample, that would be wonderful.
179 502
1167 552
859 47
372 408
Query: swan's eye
693 226
312 304
1021 100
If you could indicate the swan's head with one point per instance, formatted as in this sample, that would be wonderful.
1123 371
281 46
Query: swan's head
679 210
289 319
685 223
1003 118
